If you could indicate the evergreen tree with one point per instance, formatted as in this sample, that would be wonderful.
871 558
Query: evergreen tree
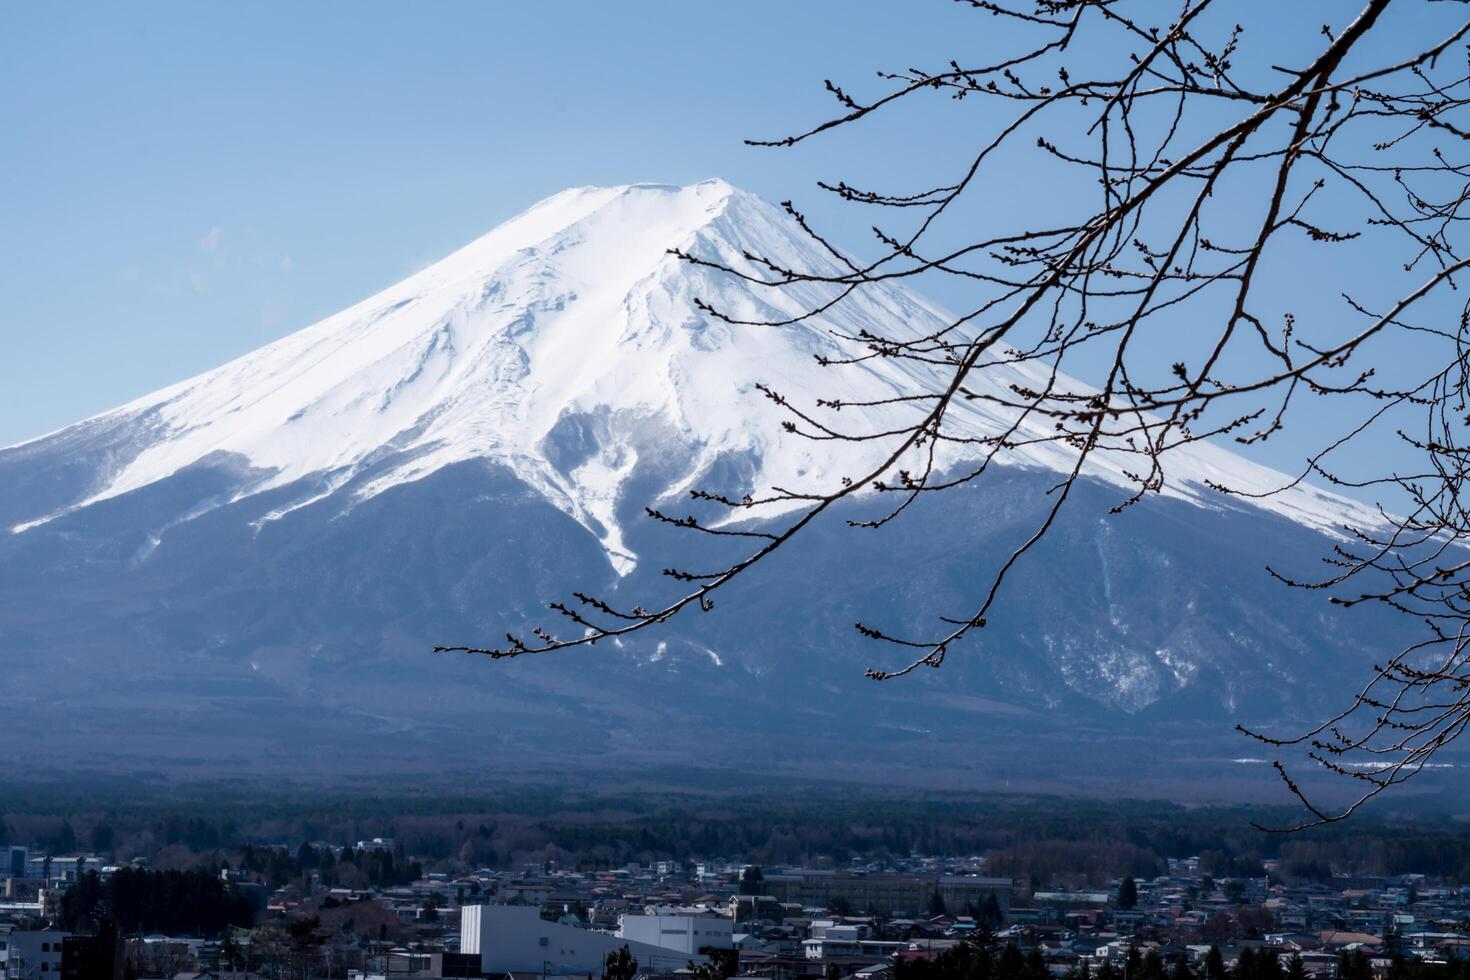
1257 964
1127 893
984 941
1151 968
1214 964
968 960
1354 966
752 881
620 965
326 866
187 902
1011 965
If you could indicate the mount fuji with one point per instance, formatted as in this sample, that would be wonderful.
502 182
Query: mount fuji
249 567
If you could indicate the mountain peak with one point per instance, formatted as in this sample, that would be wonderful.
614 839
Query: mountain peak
566 346
479 354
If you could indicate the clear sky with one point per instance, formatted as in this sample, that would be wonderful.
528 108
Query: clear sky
186 181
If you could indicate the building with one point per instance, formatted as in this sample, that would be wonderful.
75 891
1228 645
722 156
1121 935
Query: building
829 929
842 949
687 934
34 954
515 939
887 894
65 869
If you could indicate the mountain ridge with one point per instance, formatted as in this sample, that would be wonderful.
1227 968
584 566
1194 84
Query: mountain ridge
566 343
249 569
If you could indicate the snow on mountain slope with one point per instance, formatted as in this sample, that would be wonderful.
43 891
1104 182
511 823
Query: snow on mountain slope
566 345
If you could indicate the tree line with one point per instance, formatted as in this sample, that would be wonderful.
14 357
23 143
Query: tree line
1083 843
983 958
143 901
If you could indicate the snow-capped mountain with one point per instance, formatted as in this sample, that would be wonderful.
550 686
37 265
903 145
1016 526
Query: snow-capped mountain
259 558
566 344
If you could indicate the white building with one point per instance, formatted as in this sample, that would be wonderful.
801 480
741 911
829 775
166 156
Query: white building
851 932
34 954
830 946
69 868
515 939
686 933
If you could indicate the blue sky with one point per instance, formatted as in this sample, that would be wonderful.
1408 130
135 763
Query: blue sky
188 181
185 182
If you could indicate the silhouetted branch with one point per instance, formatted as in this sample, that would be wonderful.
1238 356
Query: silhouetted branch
1207 174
